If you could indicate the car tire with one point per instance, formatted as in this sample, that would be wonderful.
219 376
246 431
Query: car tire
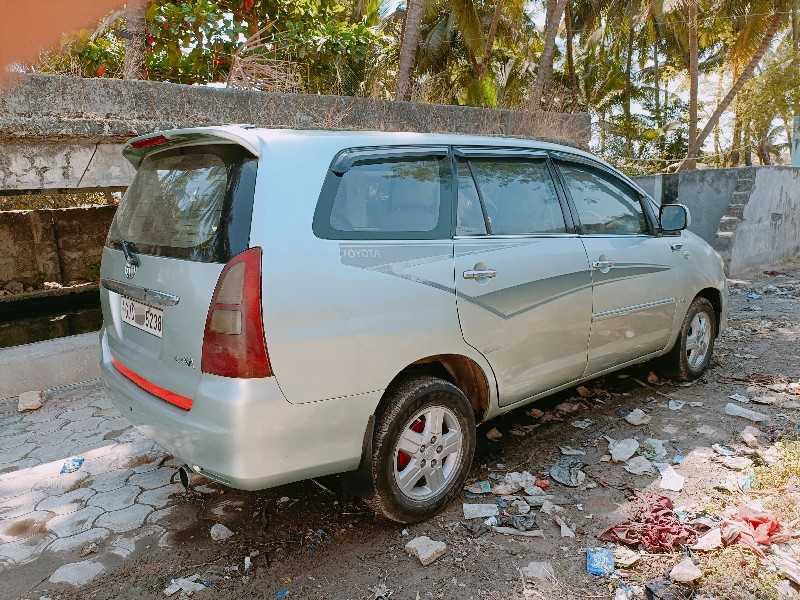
692 352
422 448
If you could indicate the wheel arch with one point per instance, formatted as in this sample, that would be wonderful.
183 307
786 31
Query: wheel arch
460 370
714 296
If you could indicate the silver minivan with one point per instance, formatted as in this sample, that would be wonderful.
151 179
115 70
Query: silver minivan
281 305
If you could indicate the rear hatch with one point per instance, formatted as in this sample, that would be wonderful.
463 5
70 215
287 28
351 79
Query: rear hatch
186 213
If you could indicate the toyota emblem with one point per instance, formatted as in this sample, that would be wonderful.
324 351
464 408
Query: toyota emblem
130 269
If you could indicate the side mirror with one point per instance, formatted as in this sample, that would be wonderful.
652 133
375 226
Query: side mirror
674 217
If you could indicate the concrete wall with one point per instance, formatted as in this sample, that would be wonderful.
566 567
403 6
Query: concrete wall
48 165
47 106
706 193
64 132
751 215
60 243
770 228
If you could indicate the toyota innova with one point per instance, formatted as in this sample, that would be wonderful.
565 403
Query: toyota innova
281 305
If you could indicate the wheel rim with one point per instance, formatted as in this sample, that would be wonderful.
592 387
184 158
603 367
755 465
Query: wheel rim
427 453
698 340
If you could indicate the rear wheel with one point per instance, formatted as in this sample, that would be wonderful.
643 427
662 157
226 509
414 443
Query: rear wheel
695 344
422 448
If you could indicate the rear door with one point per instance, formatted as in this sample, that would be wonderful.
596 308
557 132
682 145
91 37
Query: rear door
522 277
634 279
186 213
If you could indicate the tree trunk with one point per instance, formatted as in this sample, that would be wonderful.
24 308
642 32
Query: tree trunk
717 149
408 49
136 42
626 94
690 161
487 52
735 154
748 150
743 78
544 74
573 77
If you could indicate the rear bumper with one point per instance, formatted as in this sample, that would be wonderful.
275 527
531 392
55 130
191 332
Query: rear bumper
243 432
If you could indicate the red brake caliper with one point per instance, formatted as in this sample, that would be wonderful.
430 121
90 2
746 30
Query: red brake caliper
402 458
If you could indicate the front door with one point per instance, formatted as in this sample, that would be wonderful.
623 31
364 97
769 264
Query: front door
634 279
522 281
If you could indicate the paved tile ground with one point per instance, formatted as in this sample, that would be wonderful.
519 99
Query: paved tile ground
120 494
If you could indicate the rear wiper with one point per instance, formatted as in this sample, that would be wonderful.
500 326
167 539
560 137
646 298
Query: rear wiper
130 257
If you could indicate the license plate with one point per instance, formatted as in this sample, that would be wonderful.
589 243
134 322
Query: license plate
142 316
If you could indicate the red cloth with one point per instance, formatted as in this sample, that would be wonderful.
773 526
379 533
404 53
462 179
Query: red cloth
654 526
751 529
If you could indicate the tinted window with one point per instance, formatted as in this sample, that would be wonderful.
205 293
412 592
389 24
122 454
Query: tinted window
469 219
519 196
193 203
395 197
605 205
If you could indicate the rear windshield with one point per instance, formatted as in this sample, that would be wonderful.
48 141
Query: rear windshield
193 203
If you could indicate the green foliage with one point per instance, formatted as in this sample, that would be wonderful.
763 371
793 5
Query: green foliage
38 280
92 271
351 47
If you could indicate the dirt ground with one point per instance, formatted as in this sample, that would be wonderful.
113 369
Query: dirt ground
305 541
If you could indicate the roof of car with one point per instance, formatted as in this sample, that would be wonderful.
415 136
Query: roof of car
255 138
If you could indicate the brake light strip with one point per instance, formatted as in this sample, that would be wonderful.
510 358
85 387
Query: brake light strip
171 397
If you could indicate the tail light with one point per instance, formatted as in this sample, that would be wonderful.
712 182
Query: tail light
233 341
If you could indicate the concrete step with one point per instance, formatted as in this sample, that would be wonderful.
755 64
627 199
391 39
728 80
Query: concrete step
723 241
736 210
727 223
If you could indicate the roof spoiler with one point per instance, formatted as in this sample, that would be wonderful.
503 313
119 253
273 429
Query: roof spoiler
138 148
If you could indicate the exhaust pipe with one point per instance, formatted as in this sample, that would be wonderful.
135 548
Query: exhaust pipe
190 478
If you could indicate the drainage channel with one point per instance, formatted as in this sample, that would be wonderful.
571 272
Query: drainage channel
30 321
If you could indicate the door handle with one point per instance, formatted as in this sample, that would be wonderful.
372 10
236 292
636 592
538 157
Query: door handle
602 264
479 274
676 246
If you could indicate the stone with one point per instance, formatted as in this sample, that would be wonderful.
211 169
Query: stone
23 551
15 287
66 503
637 417
152 479
623 449
73 523
127 519
160 497
541 571
426 549
735 463
711 540
80 540
685 572
480 511
77 574
219 532
30 401
493 434
117 499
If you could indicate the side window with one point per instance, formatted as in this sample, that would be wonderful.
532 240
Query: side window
469 218
391 198
519 196
605 205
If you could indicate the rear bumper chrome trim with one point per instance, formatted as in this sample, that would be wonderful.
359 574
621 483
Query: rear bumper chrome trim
171 397
151 297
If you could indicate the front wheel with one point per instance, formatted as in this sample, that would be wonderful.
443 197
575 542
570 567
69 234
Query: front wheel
692 352
422 448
